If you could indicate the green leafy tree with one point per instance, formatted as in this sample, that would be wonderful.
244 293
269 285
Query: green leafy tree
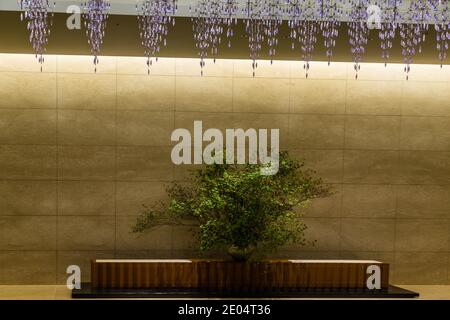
236 206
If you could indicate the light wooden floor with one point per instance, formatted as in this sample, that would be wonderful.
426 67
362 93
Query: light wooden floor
427 292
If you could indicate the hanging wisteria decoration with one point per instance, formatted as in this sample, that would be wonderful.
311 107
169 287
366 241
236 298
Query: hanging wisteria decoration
304 28
308 21
229 9
254 29
293 13
208 28
442 29
408 44
38 14
154 18
358 31
272 16
413 34
308 38
95 16
308 30
442 37
329 13
389 24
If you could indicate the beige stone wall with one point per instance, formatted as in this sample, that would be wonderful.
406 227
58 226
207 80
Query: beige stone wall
81 152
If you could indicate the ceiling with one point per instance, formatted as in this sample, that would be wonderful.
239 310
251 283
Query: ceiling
124 7
128 7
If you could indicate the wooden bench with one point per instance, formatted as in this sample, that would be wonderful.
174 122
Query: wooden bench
229 276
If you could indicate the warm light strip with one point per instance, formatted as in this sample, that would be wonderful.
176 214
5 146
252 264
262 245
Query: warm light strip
336 261
189 261
143 261
222 68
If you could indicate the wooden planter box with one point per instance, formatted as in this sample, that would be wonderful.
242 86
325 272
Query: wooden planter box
228 276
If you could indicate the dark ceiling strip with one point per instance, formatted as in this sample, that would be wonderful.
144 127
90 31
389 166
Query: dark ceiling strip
122 39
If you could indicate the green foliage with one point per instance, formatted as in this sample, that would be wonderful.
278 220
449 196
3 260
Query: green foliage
235 205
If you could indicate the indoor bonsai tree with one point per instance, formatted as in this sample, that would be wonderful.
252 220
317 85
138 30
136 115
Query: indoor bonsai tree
238 208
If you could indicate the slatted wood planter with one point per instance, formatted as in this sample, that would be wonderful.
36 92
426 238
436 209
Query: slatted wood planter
228 276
